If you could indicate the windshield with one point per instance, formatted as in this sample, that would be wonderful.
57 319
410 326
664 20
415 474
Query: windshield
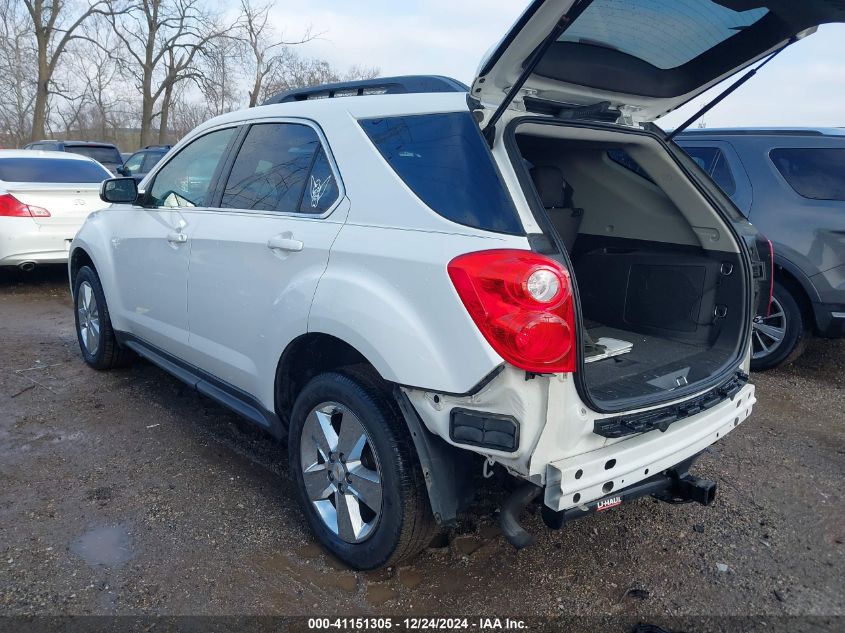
100 154
58 170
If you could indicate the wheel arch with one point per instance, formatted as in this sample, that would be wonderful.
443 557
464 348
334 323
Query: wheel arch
79 257
799 286
306 356
445 467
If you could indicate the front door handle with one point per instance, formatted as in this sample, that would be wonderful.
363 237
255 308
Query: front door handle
285 242
177 237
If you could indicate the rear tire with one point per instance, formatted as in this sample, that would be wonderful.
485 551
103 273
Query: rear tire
378 482
94 332
785 322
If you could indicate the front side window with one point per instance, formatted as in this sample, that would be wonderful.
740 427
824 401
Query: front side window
444 160
133 163
186 179
713 161
151 160
272 171
815 173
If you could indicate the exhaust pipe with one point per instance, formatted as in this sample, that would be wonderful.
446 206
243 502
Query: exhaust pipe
27 267
509 516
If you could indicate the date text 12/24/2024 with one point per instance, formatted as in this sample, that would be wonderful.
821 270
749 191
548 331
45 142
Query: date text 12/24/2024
417 624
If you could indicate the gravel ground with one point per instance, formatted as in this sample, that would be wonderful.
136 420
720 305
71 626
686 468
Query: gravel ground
127 493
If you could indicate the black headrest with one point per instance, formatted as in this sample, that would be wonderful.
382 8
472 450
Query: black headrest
551 186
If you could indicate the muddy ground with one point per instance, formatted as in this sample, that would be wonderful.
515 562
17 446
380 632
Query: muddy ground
127 493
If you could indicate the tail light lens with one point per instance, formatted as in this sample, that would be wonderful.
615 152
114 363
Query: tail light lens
522 303
771 263
11 207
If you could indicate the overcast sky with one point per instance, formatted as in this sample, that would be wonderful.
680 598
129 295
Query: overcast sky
804 86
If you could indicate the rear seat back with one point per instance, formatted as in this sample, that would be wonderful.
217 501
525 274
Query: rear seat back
556 196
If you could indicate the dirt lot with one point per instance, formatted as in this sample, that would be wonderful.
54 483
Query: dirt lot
125 492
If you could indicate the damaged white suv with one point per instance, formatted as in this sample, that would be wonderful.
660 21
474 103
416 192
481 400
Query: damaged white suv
420 281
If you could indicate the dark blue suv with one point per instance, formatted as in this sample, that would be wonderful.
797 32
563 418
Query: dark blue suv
790 183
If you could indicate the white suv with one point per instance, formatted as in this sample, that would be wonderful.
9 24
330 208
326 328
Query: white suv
419 282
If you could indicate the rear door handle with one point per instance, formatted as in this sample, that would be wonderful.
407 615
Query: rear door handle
285 242
177 237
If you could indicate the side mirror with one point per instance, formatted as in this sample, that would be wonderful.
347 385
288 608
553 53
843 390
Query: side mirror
122 171
119 190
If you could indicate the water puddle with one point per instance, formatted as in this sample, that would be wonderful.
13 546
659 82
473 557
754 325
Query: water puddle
106 546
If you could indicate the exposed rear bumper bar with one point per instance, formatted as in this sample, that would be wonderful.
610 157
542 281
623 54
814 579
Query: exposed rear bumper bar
675 485
581 479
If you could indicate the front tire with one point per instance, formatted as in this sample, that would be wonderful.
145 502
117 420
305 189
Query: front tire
94 332
356 472
781 336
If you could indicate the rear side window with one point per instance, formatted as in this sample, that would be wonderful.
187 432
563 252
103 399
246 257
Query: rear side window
621 157
100 154
444 160
818 174
321 190
51 170
713 161
272 168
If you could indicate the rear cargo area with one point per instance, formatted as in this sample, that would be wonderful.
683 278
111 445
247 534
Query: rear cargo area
660 278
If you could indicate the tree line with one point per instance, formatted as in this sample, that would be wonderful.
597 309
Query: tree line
142 71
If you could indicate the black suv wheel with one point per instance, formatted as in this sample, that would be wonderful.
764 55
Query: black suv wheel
781 336
94 332
356 472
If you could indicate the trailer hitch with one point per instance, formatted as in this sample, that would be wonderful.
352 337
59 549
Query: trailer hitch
674 485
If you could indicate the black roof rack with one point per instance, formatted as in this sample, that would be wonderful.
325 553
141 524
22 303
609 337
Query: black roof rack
753 132
412 84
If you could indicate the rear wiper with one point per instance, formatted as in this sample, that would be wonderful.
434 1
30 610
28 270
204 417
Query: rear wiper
726 93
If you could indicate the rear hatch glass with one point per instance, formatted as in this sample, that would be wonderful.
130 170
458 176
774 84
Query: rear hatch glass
108 155
59 170
651 56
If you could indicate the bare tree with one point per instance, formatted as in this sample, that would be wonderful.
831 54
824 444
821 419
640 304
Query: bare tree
94 99
186 114
17 86
220 79
55 25
160 40
295 71
267 52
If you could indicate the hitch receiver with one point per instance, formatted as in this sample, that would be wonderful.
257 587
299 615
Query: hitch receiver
675 486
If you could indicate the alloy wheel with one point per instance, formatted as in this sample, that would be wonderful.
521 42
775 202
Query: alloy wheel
769 332
341 472
89 318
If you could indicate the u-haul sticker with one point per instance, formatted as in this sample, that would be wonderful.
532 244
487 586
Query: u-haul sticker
607 504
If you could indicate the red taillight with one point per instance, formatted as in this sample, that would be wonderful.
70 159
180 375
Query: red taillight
522 303
11 207
771 277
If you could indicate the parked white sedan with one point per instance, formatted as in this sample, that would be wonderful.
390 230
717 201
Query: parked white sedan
44 199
